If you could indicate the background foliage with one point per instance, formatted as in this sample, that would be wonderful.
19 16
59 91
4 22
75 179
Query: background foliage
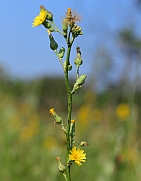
30 142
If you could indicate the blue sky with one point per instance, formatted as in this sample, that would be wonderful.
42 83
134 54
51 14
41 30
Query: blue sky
25 52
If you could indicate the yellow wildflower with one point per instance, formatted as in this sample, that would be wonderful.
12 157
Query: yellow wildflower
49 142
96 114
73 121
38 20
123 111
77 155
51 111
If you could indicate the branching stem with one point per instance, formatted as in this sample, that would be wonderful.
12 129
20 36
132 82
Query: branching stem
68 142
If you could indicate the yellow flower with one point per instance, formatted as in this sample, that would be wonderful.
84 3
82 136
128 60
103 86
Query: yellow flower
73 121
49 142
51 111
123 111
38 20
77 155
96 114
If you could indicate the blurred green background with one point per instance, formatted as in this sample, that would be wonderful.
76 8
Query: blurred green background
30 141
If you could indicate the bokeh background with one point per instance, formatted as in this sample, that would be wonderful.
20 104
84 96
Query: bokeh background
106 109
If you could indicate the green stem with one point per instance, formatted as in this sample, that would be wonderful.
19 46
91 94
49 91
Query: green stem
68 144
77 72
56 29
65 176
59 59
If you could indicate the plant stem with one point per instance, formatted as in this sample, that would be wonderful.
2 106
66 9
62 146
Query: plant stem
68 143
59 59
65 176
56 29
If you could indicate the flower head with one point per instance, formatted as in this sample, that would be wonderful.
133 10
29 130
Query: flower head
61 167
77 155
73 121
51 111
40 19
58 119
123 111
70 18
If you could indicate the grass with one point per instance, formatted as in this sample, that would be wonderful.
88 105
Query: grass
30 142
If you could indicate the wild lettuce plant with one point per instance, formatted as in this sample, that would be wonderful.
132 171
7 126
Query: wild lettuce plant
70 31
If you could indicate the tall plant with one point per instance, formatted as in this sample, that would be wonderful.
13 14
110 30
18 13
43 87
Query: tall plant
70 31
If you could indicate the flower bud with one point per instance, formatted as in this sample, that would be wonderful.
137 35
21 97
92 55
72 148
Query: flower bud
83 143
79 82
76 30
61 167
51 29
47 24
61 52
53 44
50 16
78 60
64 27
58 119
72 128
69 66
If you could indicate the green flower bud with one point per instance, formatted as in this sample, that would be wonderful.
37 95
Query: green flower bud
64 27
61 167
58 120
76 30
79 82
78 60
69 66
53 44
83 143
61 52
47 24
51 29
72 128
49 16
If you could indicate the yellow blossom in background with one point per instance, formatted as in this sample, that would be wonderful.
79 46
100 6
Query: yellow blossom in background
123 111
38 20
90 97
133 154
96 114
24 108
29 130
49 142
77 155
83 114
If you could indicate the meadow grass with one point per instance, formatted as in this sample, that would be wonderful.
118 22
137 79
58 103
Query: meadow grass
30 143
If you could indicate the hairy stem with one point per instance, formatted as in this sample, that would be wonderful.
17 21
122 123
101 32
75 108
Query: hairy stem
68 142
